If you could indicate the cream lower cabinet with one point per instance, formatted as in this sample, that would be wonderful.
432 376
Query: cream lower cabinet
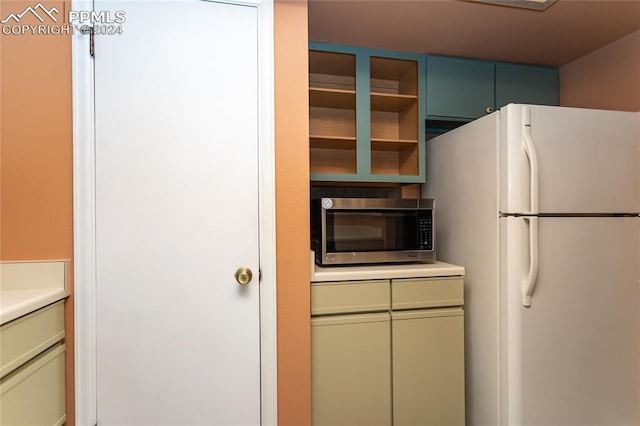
32 367
395 358
428 367
351 354
428 351
350 370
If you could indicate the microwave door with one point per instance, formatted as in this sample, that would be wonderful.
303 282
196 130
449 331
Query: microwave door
355 231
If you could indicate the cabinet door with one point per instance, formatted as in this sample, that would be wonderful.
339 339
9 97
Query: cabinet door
459 87
526 84
428 367
351 370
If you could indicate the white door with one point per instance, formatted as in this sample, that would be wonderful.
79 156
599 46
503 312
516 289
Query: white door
178 339
573 357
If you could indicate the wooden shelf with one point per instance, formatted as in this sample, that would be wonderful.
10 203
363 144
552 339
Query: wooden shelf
332 98
389 102
332 142
392 144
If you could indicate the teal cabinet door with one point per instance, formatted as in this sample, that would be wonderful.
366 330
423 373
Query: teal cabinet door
459 88
526 84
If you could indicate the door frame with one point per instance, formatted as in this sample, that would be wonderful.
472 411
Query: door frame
84 217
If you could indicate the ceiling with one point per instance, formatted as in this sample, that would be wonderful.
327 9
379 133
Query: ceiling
564 32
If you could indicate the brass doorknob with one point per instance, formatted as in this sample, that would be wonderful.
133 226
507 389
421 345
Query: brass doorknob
243 275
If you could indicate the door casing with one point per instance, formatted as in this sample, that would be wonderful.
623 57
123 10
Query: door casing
84 217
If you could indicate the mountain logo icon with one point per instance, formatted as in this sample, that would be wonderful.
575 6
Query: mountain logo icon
43 11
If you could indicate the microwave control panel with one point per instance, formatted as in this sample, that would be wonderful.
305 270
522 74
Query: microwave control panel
425 230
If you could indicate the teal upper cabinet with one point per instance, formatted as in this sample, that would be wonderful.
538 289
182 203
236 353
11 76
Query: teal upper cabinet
526 84
366 115
460 89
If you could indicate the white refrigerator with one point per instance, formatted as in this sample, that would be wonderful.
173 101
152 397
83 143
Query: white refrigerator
541 205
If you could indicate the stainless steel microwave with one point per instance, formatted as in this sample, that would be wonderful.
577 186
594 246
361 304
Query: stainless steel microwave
372 230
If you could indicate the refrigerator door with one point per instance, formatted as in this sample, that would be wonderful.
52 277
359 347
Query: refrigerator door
588 161
573 357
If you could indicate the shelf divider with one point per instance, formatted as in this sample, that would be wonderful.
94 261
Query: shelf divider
388 102
392 144
332 98
332 142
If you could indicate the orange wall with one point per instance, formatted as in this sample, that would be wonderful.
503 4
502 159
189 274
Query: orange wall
36 145
292 212
608 78
36 153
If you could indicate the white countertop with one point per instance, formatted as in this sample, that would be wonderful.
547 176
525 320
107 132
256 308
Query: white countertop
28 286
373 272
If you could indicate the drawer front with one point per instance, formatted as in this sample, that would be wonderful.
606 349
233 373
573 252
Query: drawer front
350 296
426 293
26 337
34 394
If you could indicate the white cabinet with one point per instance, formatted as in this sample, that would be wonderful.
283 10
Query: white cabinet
32 369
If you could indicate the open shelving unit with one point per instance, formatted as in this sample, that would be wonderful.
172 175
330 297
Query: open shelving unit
332 112
394 116
364 115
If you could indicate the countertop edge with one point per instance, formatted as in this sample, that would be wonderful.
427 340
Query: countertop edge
350 273
28 301
27 286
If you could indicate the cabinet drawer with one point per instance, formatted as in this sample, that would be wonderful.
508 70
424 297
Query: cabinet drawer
426 293
26 337
34 394
345 297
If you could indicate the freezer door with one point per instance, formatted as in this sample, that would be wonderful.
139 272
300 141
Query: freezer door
573 357
588 161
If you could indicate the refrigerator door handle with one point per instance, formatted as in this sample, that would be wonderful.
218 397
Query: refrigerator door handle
530 150
529 281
